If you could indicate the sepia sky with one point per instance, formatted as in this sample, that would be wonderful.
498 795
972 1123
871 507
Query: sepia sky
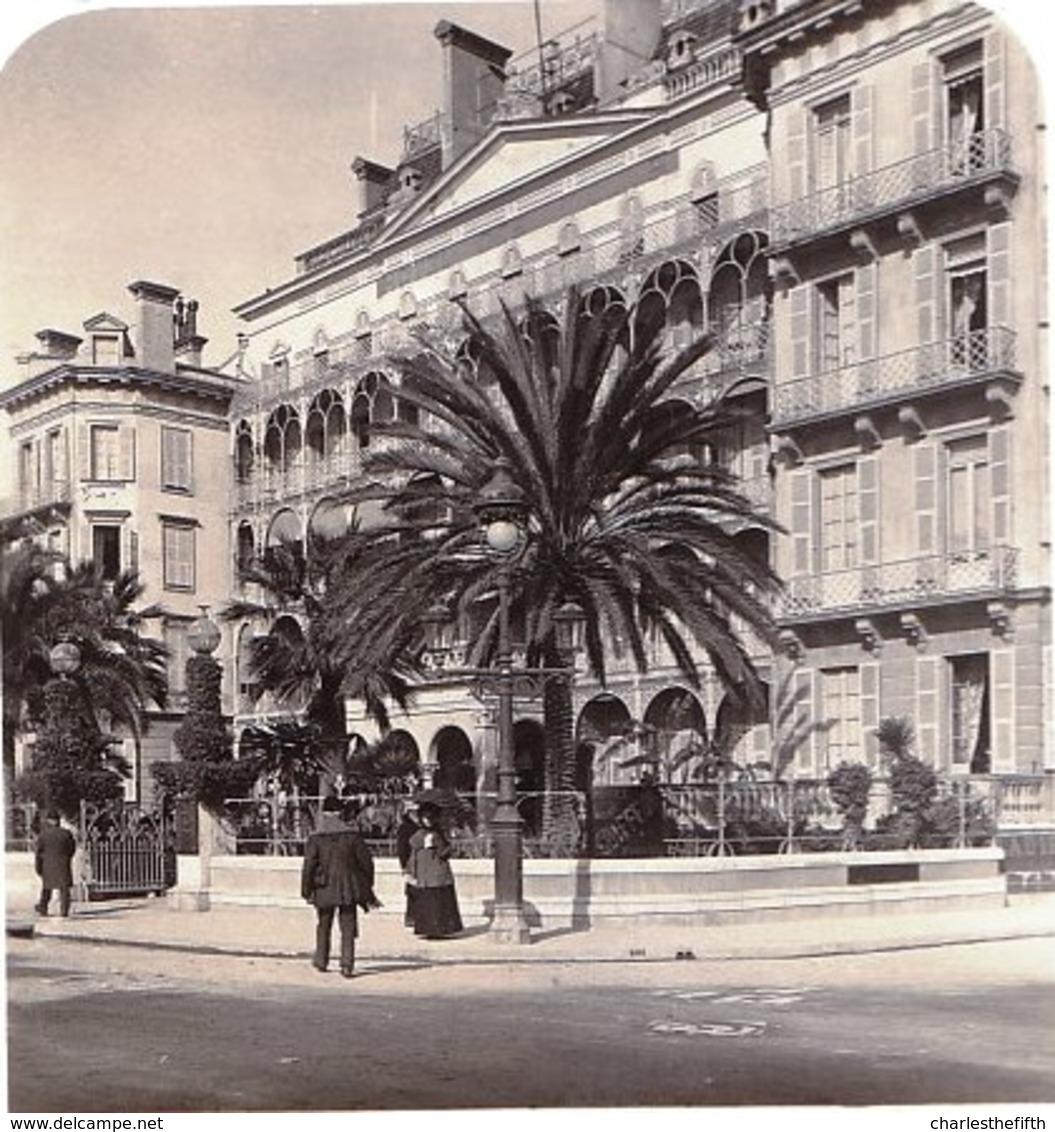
205 147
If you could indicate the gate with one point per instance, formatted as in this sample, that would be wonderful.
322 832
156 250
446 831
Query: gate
127 850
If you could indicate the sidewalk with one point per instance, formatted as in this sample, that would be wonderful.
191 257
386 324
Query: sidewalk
282 932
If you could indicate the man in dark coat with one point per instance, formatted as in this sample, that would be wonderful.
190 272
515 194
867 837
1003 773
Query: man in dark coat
53 860
337 876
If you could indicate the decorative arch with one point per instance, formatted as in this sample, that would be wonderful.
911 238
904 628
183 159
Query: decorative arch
676 733
245 546
326 429
373 403
452 752
283 438
244 452
284 528
330 518
740 299
671 295
606 728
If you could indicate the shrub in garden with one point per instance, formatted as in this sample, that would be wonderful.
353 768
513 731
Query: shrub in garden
849 786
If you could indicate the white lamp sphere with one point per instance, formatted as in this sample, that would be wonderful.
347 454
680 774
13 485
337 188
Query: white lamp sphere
503 535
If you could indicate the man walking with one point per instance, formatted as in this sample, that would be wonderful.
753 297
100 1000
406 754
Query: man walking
53 861
337 876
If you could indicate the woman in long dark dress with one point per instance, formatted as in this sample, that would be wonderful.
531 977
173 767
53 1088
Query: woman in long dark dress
436 913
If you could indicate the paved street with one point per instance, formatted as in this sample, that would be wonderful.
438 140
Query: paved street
94 1028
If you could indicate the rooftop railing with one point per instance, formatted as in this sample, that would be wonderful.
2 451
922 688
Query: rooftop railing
921 177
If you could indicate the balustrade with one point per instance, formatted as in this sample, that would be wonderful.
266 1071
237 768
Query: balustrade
979 355
906 582
922 176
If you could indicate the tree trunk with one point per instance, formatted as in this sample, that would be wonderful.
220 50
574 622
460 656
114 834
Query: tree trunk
561 826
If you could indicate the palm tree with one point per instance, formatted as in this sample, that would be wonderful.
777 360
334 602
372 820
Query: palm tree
300 660
122 670
626 520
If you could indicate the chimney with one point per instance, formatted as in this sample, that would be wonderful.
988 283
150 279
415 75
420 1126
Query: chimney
373 180
155 334
630 32
188 343
58 345
473 81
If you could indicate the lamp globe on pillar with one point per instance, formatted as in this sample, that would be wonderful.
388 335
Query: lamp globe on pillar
64 658
203 636
501 511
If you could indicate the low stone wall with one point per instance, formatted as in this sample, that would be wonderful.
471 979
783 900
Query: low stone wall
563 893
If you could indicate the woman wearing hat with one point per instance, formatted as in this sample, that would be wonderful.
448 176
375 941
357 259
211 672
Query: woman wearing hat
435 902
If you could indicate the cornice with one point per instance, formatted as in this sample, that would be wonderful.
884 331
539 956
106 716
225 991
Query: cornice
199 383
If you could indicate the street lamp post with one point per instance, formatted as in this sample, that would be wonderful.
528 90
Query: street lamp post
500 509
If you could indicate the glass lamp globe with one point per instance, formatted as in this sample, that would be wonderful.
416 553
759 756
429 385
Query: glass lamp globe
64 658
503 536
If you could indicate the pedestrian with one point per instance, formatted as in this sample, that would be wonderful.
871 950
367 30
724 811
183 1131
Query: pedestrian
54 863
436 912
337 877
408 826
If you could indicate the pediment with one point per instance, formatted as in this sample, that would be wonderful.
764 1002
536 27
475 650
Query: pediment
512 154
105 322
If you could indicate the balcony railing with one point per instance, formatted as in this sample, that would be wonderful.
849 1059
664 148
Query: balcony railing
38 495
923 176
926 579
979 355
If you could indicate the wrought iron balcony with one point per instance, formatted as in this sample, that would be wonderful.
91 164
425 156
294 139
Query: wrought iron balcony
984 156
929 579
32 497
978 357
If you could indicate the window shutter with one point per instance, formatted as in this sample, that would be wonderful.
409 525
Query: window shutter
127 440
805 707
924 265
921 107
796 154
863 134
84 453
995 69
1002 693
869 673
926 469
868 504
928 708
1000 483
188 461
802 522
998 263
800 330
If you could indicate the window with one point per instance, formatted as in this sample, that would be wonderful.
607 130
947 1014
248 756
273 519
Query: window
175 636
835 328
106 550
964 108
831 143
176 448
106 350
969 701
105 452
54 462
841 710
27 471
967 311
839 521
967 496
178 554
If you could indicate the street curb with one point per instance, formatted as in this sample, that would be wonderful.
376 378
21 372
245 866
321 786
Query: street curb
518 958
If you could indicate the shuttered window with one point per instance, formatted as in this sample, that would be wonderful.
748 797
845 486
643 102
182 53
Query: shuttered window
176 453
178 548
968 497
841 711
